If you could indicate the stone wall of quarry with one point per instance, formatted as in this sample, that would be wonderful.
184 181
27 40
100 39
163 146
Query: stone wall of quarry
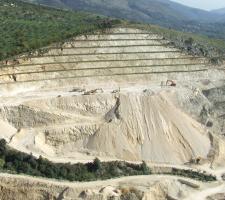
105 95
133 188
140 126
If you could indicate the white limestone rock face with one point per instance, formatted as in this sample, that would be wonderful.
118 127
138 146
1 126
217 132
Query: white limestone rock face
105 95
132 188
132 126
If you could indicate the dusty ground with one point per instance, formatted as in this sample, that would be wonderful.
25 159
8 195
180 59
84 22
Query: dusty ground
138 187
145 125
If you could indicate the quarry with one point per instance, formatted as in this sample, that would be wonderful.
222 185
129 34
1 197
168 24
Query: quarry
119 94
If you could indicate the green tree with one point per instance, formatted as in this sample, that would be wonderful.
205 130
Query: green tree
96 164
144 168
2 163
2 147
189 42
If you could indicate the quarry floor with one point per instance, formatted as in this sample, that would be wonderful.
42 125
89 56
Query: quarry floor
188 193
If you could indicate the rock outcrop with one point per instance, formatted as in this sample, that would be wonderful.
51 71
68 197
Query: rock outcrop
105 95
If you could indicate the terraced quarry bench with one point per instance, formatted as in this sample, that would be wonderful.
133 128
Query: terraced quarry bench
132 114
118 54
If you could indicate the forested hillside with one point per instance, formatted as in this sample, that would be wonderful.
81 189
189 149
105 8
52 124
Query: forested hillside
24 27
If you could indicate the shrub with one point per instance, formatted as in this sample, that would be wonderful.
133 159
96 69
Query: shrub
193 174
19 162
189 42
96 164
2 148
2 163
145 169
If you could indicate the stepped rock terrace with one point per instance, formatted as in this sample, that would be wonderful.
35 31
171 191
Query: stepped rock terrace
105 95
118 53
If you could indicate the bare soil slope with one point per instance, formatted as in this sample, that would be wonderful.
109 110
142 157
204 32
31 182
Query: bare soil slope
105 95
